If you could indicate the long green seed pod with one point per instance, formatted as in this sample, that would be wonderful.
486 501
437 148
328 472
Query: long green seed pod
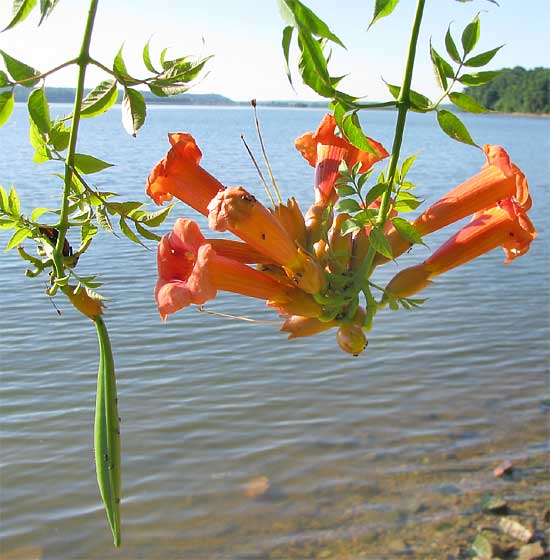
107 432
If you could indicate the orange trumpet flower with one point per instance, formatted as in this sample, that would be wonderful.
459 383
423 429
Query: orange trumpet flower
236 210
190 272
506 225
325 151
499 179
179 174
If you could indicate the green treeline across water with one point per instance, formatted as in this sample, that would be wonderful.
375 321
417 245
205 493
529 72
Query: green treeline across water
516 90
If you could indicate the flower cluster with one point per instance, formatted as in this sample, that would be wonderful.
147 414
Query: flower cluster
307 266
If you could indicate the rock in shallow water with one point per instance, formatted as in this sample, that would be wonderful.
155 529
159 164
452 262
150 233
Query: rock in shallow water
516 529
506 467
256 486
494 505
531 551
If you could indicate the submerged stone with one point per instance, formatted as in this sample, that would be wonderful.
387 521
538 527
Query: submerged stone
494 505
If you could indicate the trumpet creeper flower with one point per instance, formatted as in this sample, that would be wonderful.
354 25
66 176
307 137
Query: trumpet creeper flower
506 225
324 150
238 211
179 174
499 179
191 272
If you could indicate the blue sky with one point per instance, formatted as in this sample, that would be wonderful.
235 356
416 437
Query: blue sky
245 36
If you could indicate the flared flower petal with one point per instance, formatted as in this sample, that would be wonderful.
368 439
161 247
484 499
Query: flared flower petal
506 225
183 259
179 174
324 150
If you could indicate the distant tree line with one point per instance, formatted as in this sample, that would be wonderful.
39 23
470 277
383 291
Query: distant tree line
66 95
516 90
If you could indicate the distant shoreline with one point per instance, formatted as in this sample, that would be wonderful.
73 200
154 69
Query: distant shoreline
59 95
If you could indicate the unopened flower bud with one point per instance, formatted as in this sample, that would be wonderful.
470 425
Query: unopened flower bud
299 327
351 339
340 245
314 221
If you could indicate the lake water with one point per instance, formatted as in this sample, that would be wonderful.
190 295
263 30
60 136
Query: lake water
353 447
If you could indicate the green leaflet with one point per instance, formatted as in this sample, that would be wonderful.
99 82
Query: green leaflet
87 164
450 45
454 127
20 10
39 110
301 17
313 65
483 58
380 242
354 133
467 103
133 111
382 8
470 35
479 78
147 58
100 99
7 102
287 38
406 230
20 71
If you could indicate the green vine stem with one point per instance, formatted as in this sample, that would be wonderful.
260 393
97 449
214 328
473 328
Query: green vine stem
83 60
403 105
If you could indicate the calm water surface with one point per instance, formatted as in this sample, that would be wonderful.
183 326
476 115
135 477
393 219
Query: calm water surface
351 446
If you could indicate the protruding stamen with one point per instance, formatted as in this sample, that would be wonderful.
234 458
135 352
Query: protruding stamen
201 309
271 176
266 186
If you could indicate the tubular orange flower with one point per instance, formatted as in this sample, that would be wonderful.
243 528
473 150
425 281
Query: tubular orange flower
505 225
499 179
236 210
179 174
325 151
238 251
190 272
